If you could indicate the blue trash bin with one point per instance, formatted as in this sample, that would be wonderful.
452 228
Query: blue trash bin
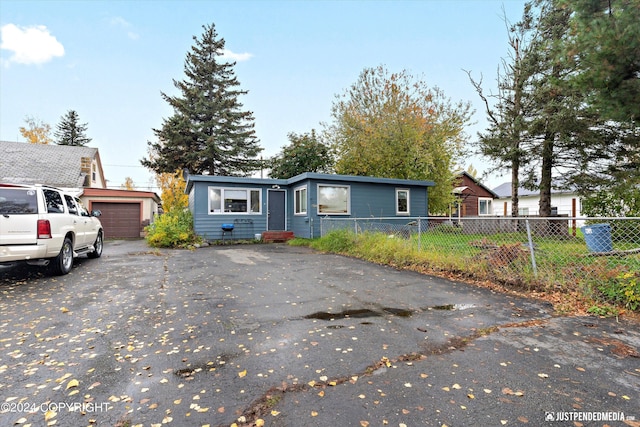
598 237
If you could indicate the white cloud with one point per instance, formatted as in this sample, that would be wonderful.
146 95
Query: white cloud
227 54
118 21
30 45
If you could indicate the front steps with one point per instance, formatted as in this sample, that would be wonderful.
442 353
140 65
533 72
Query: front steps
277 236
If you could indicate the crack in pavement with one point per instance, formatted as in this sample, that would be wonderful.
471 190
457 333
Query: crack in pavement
262 406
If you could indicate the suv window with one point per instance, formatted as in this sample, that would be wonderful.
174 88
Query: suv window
71 204
18 201
83 211
53 200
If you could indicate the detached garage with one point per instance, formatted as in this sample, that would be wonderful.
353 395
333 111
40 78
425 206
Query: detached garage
124 213
120 219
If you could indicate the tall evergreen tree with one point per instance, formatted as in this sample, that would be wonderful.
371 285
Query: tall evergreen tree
604 42
208 132
70 131
562 132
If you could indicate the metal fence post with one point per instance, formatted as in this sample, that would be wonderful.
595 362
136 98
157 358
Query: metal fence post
419 234
533 257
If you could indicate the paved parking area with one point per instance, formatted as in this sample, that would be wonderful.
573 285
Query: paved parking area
284 336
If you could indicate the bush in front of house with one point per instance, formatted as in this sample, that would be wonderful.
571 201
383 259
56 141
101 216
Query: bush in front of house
173 229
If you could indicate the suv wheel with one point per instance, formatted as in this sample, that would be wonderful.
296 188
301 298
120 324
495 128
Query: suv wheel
97 247
62 263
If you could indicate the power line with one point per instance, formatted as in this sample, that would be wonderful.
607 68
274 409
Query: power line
125 166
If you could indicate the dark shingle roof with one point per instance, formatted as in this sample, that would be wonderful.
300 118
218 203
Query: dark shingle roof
56 165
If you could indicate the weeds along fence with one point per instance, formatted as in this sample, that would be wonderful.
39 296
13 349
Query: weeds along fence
559 252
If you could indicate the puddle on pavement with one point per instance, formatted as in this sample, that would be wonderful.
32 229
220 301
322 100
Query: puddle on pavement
360 314
400 312
451 307
323 315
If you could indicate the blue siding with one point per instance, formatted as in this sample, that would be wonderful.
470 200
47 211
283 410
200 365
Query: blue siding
209 225
368 200
369 197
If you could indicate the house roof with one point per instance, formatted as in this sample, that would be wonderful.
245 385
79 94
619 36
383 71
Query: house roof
120 193
354 178
460 190
302 177
504 191
55 165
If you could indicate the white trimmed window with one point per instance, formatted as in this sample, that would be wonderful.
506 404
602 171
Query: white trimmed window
300 201
334 199
402 201
235 200
484 206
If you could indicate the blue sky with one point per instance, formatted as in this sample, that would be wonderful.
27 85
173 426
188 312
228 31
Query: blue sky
109 61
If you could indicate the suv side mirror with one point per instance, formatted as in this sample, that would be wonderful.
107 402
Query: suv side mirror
96 213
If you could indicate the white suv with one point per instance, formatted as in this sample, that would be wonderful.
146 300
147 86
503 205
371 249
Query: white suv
45 226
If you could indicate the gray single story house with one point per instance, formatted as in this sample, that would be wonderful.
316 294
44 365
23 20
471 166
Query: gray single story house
256 205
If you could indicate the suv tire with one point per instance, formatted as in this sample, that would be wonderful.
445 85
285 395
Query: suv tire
62 263
97 247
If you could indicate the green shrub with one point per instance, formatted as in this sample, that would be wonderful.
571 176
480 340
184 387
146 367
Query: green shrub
173 229
624 290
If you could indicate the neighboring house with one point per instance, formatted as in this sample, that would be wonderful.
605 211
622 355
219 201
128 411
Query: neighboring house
256 205
564 202
67 167
78 170
474 199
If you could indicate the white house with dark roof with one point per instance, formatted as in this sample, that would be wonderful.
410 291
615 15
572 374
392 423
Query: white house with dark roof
78 170
564 201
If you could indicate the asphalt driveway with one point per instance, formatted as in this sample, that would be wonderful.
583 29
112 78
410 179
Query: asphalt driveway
284 336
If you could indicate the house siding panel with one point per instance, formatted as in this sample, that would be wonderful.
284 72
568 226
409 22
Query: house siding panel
471 194
209 226
368 197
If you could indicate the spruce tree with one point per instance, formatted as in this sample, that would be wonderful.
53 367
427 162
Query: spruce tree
562 131
70 131
208 133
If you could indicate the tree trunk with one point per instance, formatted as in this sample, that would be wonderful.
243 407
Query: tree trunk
515 185
545 180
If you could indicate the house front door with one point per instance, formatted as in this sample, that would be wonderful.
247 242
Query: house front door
276 210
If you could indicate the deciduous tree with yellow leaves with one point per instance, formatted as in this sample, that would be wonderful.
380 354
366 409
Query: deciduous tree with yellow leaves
172 186
36 131
392 125
174 228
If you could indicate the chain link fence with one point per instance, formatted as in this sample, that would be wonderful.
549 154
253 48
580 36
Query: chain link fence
559 252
